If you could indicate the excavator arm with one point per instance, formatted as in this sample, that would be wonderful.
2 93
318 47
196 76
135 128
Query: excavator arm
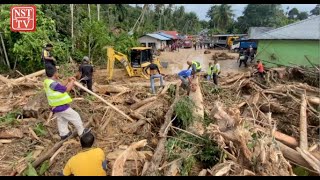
112 56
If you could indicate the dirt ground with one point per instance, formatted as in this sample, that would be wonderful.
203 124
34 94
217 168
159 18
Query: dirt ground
177 61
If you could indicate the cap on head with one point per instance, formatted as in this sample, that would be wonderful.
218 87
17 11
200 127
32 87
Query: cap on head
85 58
49 45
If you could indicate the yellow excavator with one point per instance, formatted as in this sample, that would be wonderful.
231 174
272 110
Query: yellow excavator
140 58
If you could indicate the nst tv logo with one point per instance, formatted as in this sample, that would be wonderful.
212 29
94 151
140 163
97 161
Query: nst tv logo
23 18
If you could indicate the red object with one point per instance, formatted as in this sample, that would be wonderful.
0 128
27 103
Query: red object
260 67
187 44
174 34
23 18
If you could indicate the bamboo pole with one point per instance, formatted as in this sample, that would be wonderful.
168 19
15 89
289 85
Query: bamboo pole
103 100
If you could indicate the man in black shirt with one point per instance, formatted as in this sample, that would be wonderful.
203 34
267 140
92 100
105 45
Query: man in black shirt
47 58
154 73
86 72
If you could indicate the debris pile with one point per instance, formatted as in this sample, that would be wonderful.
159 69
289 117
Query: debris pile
221 56
248 126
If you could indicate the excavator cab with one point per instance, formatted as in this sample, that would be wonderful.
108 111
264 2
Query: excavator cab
140 57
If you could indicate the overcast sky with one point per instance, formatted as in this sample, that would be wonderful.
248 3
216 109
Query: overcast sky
202 9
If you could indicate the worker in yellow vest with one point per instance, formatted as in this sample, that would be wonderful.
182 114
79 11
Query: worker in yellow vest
196 67
209 71
59 100
216 72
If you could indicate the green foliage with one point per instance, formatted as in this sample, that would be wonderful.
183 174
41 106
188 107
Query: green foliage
172 90
10 118
30 171
44 167
316 10
40 130
261 15
210 88
187 165
299 171
183 109
209 154
207 120
203 150
220 16
89 97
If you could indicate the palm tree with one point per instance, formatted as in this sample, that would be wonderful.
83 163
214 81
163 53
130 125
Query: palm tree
221 16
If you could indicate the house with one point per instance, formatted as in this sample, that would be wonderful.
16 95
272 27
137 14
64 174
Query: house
257 31
291 44
153 40
167 36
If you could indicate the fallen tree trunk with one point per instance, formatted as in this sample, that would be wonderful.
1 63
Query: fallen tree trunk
274 108
152 169
143 102
293 155
237 77
303 124
11 133
6 80
103 100
283 138
118 166
152 99
142 155
104 89
198 112
224 120
314 100
133 127
38 73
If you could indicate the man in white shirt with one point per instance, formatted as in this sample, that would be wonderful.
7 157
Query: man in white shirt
216 72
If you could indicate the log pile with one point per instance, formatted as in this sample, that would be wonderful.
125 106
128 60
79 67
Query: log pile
284 111
260 127
221 56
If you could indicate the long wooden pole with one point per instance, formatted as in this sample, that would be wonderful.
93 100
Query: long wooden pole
103 100
303 123
72 41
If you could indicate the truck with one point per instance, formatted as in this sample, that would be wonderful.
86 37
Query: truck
243 44
225 40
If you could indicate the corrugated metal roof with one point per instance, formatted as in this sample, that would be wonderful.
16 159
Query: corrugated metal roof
157 36
258 31
306 29
165 35
227 35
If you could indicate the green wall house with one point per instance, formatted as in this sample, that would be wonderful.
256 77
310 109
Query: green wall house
291 44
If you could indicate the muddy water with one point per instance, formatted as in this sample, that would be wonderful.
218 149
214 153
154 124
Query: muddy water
178 60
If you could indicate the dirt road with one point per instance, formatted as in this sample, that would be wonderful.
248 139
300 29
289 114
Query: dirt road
178 60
